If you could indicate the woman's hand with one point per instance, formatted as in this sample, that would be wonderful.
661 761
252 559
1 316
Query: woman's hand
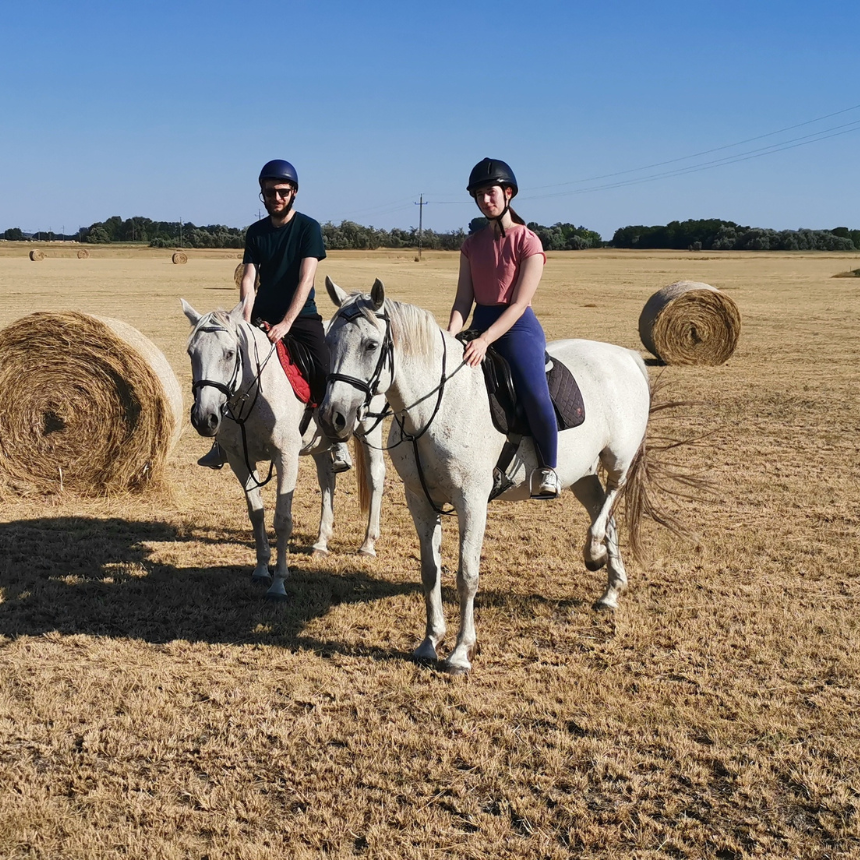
475 351
276 332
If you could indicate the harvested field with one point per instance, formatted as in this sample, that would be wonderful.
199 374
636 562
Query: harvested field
153 705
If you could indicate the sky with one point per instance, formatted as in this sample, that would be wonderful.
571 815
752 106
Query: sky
750 111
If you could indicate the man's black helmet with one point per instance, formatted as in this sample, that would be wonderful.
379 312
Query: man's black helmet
280 170
491 171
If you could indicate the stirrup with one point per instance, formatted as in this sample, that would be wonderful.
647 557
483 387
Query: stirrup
340 459
549 486
213 458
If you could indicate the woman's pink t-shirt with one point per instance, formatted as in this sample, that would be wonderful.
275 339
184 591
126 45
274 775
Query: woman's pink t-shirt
495 261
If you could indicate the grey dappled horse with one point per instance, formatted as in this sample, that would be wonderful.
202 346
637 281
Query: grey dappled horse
237 375
382 346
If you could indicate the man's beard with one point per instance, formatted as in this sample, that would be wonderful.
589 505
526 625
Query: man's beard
283 212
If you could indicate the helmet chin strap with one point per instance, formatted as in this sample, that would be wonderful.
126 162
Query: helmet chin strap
498 218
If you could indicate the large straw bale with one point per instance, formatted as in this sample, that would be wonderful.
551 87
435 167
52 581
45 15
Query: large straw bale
83 253
90 406
690 323
180 257
240 271
36 254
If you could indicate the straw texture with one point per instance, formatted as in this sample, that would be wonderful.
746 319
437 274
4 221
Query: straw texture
690 323
83 253
180 258
90 406
37 255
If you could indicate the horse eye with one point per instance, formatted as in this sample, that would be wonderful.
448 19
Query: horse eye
229 354
371 345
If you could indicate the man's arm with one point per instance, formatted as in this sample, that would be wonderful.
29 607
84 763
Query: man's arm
247 293
307 271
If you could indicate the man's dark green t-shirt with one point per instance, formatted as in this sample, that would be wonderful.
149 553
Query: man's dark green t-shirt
278 253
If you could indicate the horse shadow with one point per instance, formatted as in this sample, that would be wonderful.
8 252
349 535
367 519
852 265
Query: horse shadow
117 578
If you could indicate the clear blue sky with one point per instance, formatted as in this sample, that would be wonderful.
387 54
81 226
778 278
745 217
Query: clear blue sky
168 110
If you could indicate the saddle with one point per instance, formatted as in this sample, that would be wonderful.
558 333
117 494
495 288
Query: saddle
298 365
507 410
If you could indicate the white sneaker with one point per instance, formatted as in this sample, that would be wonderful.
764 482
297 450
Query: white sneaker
340 458
548 486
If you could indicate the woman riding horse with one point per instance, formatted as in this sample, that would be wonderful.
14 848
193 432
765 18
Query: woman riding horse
500 268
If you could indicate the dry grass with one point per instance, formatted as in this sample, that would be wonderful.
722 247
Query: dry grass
152 705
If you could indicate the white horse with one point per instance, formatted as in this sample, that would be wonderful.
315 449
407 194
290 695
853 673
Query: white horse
445 446
242 395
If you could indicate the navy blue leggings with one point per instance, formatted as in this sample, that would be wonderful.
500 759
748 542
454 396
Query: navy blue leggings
524 346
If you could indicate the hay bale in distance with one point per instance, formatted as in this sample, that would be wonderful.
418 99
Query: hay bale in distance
37 255
180 258
91 406
83 253
690 323
237 276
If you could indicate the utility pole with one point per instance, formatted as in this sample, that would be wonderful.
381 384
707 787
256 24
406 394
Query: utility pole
421 204
180 231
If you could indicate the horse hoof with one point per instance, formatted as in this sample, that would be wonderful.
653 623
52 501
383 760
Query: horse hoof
370 553
455 669
601 606
319 551
261 579
276 598
593 565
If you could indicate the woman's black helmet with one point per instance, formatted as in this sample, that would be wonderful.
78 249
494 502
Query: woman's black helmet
491 171
280 170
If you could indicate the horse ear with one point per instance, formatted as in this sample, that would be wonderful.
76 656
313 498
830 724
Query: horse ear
377 294
193 316
336 294
236 314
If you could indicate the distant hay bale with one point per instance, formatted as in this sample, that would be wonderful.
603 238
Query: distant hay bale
237 276
690 323
854 273
37 255
83 253
180 258
90 406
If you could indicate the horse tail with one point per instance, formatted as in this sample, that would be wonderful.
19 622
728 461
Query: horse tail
652 478
359 457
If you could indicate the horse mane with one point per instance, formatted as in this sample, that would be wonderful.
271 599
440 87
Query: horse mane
219 316
413 330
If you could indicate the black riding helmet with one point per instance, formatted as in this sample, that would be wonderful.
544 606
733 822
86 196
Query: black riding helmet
280 170
492 171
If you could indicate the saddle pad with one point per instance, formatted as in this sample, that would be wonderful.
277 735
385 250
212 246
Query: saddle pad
566 396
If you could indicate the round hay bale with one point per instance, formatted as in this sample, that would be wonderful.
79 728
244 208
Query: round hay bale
90 406
83 253
37 255
237 276
690 323
180 258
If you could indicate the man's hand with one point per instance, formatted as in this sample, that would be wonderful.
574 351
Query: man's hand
276 332
475 351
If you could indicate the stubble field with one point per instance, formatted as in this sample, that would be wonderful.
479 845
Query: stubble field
152 705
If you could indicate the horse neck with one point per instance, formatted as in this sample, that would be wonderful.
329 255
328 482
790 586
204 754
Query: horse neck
254 348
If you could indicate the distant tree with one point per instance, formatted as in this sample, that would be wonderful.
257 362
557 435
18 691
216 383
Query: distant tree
14 234
477 224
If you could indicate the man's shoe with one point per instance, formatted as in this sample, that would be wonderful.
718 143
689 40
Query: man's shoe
340 458
548 486
213 458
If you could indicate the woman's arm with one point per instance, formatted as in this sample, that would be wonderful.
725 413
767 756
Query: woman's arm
464 299
529 277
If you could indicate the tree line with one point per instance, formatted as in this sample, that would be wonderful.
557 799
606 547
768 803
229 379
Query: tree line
716 235
699 235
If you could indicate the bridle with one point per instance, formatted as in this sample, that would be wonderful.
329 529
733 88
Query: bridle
386 355
230 391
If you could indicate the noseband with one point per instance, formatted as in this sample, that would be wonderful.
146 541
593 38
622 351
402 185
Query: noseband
371 387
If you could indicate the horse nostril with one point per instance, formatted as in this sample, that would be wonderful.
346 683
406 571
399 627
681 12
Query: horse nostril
339 422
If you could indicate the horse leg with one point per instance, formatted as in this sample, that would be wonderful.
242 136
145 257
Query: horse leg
428 524
601 542
257 516
287 468
326 479
374 483
472 520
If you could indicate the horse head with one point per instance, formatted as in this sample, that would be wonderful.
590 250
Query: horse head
216 364
362 358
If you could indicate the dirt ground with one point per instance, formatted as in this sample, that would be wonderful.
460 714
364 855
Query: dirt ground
153 705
